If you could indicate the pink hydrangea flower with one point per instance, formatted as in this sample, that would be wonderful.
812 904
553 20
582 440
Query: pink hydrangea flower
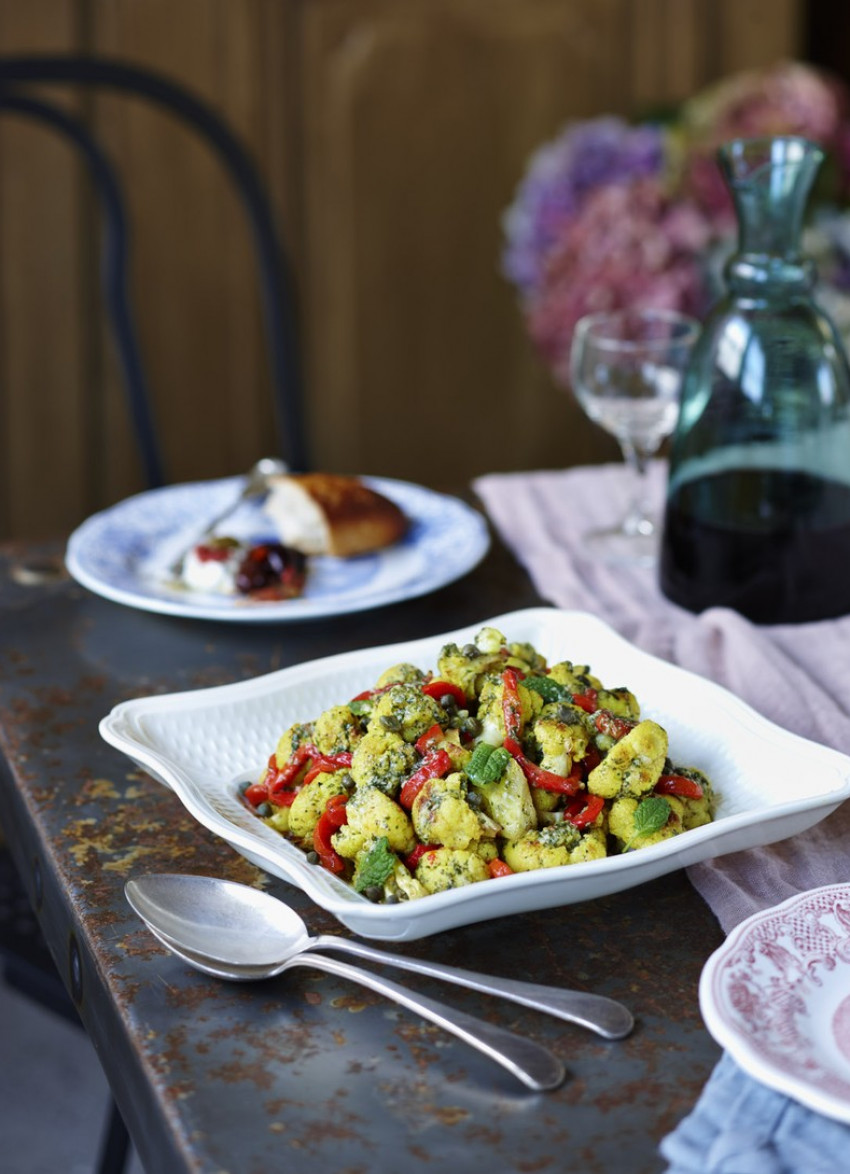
630 245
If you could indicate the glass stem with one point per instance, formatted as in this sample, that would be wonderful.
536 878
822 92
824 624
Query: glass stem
638 519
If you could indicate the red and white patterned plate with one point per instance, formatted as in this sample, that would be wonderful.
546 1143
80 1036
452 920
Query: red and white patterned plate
776 995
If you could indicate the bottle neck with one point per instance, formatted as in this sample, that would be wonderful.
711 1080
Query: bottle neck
762 274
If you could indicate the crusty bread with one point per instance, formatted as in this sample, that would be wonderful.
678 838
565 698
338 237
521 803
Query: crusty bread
327 513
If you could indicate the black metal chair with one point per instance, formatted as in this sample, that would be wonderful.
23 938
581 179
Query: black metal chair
26 962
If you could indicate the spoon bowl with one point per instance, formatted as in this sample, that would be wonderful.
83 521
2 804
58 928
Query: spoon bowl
234 926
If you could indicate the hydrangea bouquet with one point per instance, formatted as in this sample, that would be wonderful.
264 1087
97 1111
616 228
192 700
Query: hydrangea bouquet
612 214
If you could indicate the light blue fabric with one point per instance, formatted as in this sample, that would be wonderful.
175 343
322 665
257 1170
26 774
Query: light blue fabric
740 1126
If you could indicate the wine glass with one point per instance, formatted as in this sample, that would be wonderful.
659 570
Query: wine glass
626 370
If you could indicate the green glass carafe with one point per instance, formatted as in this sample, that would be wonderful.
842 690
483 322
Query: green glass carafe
757 516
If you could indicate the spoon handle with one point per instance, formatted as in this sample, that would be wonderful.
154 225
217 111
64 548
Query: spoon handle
531 1063
606 1017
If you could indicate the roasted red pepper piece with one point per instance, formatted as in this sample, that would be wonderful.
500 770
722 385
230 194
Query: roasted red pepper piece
586 700
609 723
413 858
429 739
257 793
331 819
326 764
583 810
511 704
435 765
277 778
438 689
498 867
536 776
679 785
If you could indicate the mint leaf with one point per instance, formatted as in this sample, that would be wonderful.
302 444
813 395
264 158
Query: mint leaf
376 867
650 816
487 764
548 689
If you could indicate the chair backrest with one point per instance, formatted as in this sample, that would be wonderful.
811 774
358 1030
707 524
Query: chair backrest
17 74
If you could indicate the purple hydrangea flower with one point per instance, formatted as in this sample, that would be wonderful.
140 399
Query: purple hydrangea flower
560 175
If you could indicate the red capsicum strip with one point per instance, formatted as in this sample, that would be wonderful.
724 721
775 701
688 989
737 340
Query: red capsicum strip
586 700
499 868
331 819
280 777
612 725
326 764
583 810
536 776
679 785
429 739
511 704
435 765
438 689
413 858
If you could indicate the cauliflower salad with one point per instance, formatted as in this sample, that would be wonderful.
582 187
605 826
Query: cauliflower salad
495 763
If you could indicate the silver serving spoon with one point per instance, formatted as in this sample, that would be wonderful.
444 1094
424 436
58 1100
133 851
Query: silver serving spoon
528 1061
256 483
234 926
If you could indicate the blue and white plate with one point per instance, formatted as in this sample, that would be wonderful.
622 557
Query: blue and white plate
124 553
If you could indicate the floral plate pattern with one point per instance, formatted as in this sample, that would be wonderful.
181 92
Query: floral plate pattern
124 552
776 995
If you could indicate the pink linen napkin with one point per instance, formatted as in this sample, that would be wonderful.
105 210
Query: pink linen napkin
796 675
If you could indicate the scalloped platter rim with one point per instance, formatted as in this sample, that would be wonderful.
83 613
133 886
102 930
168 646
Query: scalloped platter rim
770 783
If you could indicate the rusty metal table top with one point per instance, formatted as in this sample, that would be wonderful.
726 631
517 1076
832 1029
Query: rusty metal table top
306 1072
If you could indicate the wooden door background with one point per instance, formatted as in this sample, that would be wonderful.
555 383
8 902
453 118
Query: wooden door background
391 137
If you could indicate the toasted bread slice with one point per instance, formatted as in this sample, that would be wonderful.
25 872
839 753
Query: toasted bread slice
327 513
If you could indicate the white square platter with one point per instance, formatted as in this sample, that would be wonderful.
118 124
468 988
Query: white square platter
769 783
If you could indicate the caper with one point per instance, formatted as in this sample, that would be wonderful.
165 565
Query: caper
474 800
448 702
391 899
312 857
347 781
471 725
264 810
373 893
390 722
470 650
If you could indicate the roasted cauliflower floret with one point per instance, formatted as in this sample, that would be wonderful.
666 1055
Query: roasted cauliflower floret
466 667
619 701
633 765
625 825
310 802
402 885
561 737
337 730
508 802
406 710
559 843
576 678
384 760
490 708
697 811
372 814
290 740
401 674
450 868
441 814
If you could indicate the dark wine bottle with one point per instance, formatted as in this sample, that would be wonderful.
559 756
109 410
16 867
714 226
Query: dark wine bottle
758 502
